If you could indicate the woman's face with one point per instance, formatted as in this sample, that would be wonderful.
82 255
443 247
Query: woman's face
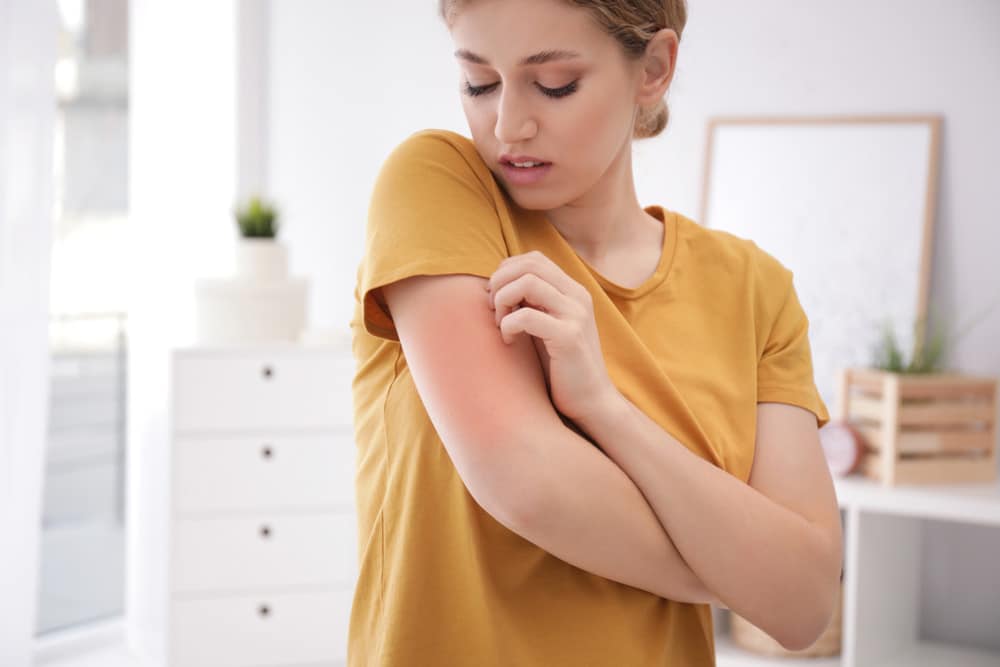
575 113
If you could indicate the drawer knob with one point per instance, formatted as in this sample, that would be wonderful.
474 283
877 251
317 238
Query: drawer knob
263 610
265 531
266 452
267 371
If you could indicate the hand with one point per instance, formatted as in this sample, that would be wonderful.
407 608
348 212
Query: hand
530 294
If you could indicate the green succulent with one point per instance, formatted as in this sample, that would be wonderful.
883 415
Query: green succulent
256 219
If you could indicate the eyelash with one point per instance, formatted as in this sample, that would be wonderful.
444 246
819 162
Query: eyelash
568 89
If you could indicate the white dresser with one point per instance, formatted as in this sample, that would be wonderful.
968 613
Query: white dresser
263 545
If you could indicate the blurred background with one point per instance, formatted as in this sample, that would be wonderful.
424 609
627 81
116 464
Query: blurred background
128 129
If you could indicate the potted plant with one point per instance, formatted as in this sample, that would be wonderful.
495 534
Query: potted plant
920 423
262 302
259 254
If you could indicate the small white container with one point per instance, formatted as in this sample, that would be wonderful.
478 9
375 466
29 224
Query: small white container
240 310
260 303
261 259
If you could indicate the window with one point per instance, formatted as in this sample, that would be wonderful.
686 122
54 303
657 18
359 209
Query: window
82 551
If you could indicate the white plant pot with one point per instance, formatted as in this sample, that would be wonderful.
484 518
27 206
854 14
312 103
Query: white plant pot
261 259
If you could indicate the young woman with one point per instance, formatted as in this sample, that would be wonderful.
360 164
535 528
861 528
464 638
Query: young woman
579 421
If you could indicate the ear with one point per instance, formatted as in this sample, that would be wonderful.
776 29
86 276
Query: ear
657 67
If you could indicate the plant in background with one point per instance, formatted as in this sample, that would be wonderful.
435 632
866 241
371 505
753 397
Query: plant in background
926 357
257 219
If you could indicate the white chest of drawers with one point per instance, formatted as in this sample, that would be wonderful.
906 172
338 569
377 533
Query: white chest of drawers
263 549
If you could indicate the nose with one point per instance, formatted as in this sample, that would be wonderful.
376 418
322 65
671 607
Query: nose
514 121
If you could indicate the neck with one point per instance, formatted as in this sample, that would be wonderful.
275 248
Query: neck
608 218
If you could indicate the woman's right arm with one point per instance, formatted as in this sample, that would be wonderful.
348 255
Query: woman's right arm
488 402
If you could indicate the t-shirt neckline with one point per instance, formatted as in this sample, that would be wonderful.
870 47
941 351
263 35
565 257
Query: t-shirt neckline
667 251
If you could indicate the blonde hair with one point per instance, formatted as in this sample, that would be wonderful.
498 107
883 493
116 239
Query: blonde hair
632 23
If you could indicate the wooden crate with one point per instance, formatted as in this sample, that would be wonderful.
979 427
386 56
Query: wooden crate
937 428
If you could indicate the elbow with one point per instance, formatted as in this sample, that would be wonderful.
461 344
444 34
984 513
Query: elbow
500 500
818 609
507 486
513 508
805 638
800 642
813 622
515 481
521 501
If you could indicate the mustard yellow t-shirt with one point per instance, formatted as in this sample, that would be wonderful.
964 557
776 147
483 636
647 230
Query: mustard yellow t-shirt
716 329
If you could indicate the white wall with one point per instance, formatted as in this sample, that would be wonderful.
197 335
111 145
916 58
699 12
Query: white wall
183 180
350 80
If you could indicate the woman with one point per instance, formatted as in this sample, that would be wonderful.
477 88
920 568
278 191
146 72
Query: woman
579 421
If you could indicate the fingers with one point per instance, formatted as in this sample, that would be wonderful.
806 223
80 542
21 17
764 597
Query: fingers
530 321
536 262
536 293
555 300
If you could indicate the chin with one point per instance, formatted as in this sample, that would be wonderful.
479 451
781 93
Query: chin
530 200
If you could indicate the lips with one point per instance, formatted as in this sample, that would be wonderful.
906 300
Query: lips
524 176
506 158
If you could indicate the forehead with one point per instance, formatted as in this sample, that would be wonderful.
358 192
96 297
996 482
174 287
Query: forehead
520 33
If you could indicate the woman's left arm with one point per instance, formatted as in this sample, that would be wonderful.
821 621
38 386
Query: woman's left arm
770 550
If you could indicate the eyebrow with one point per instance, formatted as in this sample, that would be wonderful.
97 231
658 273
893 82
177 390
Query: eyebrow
536 59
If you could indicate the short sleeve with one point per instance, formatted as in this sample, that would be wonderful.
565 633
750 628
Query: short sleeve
785 369
430 213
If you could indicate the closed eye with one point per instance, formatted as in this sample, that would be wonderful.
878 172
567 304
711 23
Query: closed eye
568 89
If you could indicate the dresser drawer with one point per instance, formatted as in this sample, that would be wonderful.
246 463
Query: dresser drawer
268 551
282 629
275 472
253 391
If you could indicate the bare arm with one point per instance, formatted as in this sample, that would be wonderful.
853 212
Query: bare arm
585 510
561 504
772 548
489 403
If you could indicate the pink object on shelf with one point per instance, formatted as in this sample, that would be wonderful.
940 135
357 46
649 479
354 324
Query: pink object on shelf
842 446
